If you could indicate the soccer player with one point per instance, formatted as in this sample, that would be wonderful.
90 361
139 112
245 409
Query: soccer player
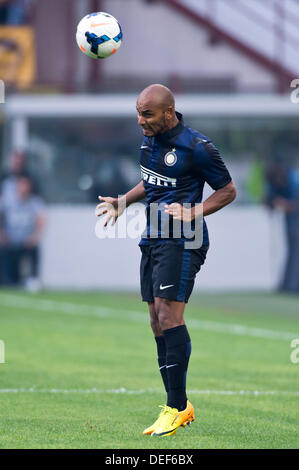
176 161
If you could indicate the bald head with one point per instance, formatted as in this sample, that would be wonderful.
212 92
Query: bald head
158 95
156 110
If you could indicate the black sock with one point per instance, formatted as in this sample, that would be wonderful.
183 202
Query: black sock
178 350
161 350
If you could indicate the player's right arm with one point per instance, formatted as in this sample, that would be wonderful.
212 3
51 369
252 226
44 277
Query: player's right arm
114 206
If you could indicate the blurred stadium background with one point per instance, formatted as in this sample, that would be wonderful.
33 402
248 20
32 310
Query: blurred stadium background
68 359
230 64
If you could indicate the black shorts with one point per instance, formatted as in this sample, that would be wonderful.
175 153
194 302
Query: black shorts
168 270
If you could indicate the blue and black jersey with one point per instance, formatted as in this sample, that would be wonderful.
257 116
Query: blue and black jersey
174 167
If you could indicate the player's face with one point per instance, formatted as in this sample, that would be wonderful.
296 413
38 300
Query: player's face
152 119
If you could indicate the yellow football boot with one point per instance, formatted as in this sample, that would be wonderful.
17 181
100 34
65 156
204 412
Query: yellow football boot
170 419
151 428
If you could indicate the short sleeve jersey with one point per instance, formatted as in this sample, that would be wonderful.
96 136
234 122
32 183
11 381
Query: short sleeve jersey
175 166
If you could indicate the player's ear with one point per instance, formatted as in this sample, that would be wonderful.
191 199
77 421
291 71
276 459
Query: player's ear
169 112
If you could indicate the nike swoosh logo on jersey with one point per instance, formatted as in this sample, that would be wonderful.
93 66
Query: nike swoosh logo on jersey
165 287
144 147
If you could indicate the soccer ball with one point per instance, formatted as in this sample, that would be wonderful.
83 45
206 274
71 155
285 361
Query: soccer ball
99 35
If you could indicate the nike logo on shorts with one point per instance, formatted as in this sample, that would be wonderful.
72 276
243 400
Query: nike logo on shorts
165 287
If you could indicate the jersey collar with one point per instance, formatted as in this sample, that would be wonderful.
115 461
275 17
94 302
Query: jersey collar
175 131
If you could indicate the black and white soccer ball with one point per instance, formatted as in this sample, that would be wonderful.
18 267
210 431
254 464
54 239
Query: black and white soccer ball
99 35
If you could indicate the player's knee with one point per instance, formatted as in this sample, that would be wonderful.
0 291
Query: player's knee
164 314
155 326
154 321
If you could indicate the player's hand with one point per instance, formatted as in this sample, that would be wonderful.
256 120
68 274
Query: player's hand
111 206
179 212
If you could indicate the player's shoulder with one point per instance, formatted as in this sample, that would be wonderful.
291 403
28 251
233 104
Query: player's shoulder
197 140
203 149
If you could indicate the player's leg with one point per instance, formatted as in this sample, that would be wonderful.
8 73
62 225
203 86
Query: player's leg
179 410
169 313
146 272
178 349
154 320
161 352
147 296
174 273
160 342
173 281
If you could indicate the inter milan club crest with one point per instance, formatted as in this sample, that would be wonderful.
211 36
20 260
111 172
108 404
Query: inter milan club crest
170 158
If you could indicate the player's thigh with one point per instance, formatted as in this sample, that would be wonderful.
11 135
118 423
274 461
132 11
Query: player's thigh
174 270
197 259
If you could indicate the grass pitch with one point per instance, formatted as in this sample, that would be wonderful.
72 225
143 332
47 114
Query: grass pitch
81 371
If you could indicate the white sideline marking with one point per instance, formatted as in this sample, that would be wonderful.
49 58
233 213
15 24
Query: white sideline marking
70 308
143 391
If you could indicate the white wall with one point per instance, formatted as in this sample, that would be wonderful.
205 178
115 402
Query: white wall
246 252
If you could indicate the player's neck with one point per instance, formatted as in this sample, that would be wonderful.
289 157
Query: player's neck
173 123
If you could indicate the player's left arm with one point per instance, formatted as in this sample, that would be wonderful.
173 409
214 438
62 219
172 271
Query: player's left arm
219 199
211 167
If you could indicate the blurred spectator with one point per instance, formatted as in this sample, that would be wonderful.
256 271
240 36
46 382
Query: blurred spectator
8 182
14 12
283 194
17 44
21 225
